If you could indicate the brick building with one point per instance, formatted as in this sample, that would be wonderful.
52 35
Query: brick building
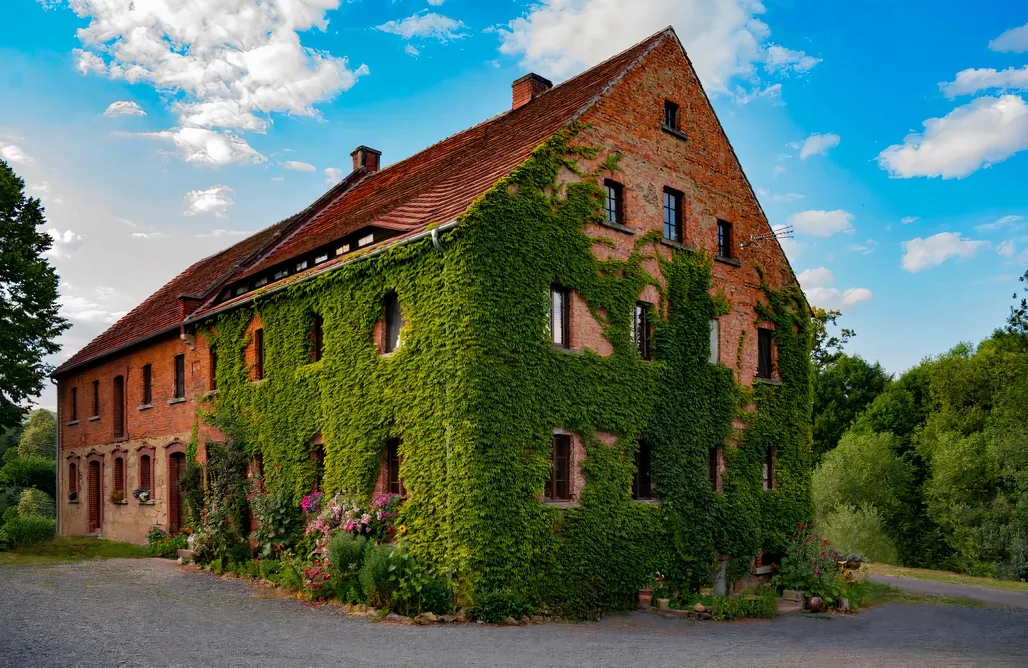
128 401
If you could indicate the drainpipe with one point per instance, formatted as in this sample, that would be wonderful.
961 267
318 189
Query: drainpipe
57 460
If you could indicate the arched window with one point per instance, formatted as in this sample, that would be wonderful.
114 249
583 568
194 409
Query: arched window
145 473
73 481
118 495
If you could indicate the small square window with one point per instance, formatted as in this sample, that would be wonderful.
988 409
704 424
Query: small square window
670 115
724 239
614 202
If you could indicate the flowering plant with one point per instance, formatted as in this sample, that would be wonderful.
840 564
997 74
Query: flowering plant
373 520
317 575
811 565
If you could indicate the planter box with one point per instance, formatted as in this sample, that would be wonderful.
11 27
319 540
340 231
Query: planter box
793 595
185 555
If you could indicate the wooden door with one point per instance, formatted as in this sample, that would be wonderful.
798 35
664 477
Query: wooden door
176 504
95 496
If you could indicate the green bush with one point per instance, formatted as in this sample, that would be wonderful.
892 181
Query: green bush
290 577
34 502
763 604
346 552
811 566
493 607
375 576
860 530
269 569
350 591
163 544
29 530
437 596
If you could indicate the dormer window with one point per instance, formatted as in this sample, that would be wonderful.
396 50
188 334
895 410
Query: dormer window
281 274
300 266
365 240
345 248
671 115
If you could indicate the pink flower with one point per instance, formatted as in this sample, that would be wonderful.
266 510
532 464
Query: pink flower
365 519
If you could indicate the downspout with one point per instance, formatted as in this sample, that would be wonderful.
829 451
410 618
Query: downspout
57 460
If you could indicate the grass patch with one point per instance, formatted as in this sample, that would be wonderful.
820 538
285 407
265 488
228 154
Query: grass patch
867 593
946 576
64 549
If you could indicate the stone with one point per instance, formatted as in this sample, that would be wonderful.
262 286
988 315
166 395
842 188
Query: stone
699 607
426 618
448 619
393 617
510 621
705 616
460 617
525 620
792 595
844 604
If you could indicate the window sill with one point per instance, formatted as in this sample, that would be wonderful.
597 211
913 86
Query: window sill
767 381
570 351
618 226
146 503
177 400
120 439
74 502
144 407
258 381
93 418
728 260
119 503
675 132
73 423
647 502
563 505
671 243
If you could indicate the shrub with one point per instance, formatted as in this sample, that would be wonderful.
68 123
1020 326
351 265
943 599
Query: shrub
812 566
349 591
493 607
289 576
29 530
860 530
34 502
317 578
437 596
278 523
762 604
346 552
163 544
374 576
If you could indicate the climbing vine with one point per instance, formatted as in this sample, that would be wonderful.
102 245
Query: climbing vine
476 390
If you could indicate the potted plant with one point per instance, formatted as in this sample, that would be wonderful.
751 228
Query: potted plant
142 494
117 497
646 593
73 495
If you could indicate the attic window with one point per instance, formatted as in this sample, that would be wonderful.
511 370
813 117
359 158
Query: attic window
321 258
300 266
241 289
345 248
670 115
364 241
260 282
281 274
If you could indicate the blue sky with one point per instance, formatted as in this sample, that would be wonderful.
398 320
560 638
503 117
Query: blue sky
894 137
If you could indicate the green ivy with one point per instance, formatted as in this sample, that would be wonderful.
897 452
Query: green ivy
476 391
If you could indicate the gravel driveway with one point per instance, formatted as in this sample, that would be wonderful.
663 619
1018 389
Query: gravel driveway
155 613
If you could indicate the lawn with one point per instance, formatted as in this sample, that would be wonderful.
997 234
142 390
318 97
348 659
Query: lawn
866 594
945 576
67 548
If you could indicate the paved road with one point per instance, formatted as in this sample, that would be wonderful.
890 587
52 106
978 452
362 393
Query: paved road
154 613
1014 599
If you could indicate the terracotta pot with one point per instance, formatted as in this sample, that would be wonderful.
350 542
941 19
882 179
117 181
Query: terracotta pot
645 598
814 604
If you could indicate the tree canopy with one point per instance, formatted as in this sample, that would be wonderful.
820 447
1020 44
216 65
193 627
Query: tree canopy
29 319
40 436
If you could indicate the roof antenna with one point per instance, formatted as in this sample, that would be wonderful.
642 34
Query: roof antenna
784 232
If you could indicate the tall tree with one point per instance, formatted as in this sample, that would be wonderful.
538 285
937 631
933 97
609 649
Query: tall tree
29 319
842 391
827 346
40 436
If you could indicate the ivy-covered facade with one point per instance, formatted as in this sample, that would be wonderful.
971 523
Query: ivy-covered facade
674 456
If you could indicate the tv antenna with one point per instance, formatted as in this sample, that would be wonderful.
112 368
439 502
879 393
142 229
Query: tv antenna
784 232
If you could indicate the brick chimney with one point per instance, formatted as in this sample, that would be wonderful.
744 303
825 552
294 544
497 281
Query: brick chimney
527 88
365 157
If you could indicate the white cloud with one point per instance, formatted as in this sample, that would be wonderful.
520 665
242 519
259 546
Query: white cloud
278 178
818 284
1005 221
979 134
210 147
425 25
124 108
970 81
772 92
298 166
1007 248
148 235
226 65
782 59
906 220
787 197
220 232
14 154
216 200
822 223
865 248
1014 40
921 254
725 38
64 243
333 175
778 170
817 144
411 50
95 309
436 3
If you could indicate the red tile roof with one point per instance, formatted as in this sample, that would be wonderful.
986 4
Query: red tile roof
433 186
